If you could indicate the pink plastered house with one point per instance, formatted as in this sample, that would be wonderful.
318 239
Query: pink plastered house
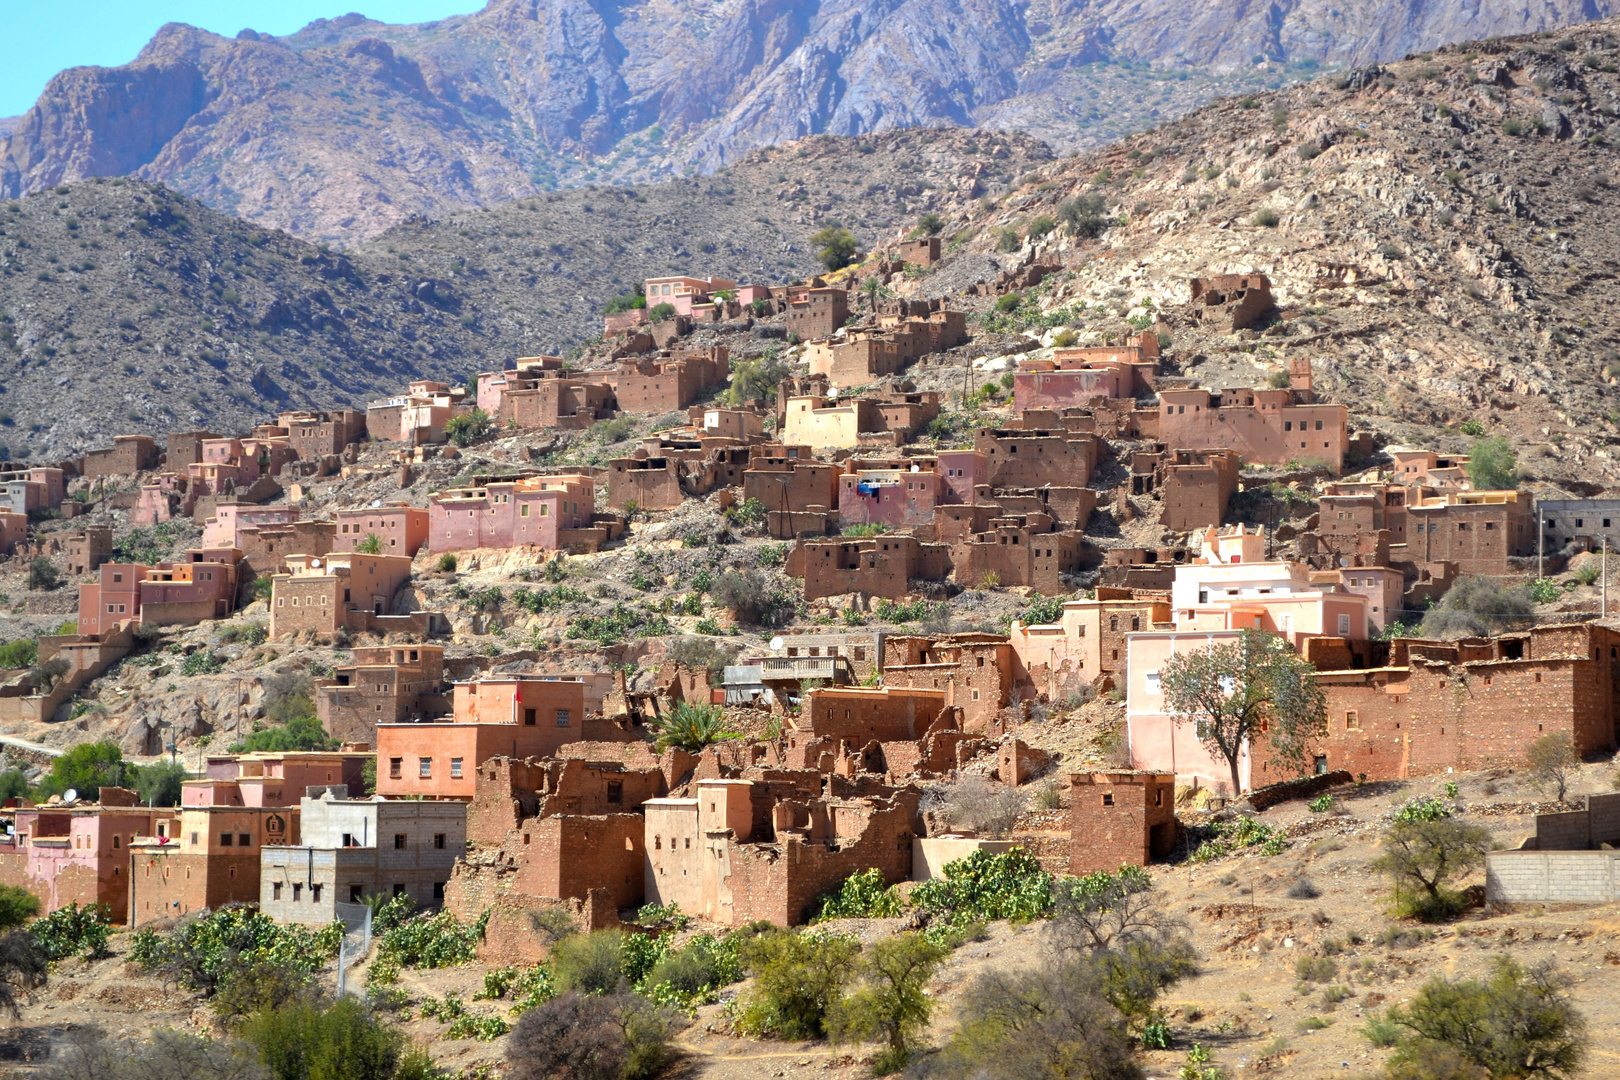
1074 377
1263 426
532 512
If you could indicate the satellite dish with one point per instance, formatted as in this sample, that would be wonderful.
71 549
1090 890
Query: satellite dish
70 794
776 643
1344 560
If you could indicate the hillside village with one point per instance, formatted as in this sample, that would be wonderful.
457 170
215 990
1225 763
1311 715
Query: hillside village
778 592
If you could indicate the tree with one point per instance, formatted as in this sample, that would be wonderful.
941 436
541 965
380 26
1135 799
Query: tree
87 1054
371 545
835 246
1551 760
757 379
661 313
1420 857
1102 910
929 224
890 1003
581 1037
469 427
1083 214
302 733
17 906
158 784
42 574
19 654
798 978
13 784
1519 1022
980 805
1477 607
1046 1023
590 963
87 767
1492 465
873 288
1233 692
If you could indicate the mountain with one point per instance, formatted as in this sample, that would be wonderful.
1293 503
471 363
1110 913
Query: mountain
351 126
1442 236
125 307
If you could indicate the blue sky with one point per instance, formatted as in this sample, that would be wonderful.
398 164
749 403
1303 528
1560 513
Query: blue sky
41 37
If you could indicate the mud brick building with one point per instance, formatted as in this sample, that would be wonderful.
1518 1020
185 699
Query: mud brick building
509 792
923 251
13 531
862 357
661 473
416 417
741 425
1081 376
231 520
548 512
898 498
880 566
1018 457
80 853
1087 645
1194 487
1425 468
1350 510
206 858
1263 426
541 393
128 455
976 671
197 588
185 448
84 552
345 590
862 650
1120 819
668 383
765 846
314 435
401 528
1477 531
512 716
1232 302
816 312
787 478
1019 550
265 548
388 684
859 715
1471 704
353 849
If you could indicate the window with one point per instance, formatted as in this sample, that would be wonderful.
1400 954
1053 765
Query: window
244 839
1352 720
1344 626
224 839
399 841
424 768
1108 798
439 840
275 890
315 893
455 768
348 840
356 893
523 511
562 717
528 717
1152 679
394 765
298 891
615 791
438 890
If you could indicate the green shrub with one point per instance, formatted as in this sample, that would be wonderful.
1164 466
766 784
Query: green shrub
835 246
1512 127
1084 215
312 1040
42 574
661 313
890 1002
580 1037
984 886
17 906
798 978
1426 809
1239 835
202 662
469 427
1041 226
864 895
1321 804
74 930
19 654
204 951
1421 856
1008 241
590 963
431 941
692 727
446 564
1265 219
1318 969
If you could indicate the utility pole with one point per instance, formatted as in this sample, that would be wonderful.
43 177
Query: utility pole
1541 544
1605 613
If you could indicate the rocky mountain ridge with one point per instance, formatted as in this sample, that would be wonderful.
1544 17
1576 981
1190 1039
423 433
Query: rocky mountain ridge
351 126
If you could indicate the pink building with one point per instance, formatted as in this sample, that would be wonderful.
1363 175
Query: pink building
225 528
898 498
22 490
1232 587
401 528
532 511
272 779
80 854
1074 377
960 471
682 292
199 587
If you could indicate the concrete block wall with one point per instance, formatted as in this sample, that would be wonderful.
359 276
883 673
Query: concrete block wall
1558 877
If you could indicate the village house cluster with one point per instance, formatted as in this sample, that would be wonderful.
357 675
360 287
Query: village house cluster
518 792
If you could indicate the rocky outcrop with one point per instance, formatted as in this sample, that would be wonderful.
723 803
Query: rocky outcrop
351 126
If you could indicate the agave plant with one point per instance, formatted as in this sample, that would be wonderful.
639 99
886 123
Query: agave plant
692 727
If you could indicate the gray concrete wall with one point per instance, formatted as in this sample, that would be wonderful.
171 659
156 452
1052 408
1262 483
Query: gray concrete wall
1554 877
